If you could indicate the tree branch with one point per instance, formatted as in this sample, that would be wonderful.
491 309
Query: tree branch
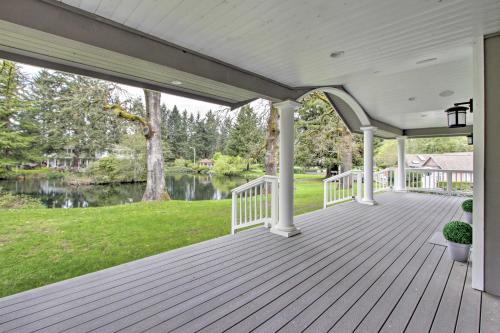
122 113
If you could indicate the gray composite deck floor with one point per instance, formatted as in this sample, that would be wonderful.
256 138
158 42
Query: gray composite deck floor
353 268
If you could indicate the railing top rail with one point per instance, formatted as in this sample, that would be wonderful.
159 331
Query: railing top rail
253 183
436 170
386 169
341 175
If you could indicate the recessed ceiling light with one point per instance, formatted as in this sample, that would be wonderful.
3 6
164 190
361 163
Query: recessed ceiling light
446 93
411 98
176 82
426 60
336 54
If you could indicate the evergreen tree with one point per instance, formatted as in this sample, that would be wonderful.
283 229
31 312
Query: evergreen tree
17 131
225 126
175 134
210 133
246 138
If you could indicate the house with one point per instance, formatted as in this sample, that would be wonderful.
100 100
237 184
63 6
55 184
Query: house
446 161
206 163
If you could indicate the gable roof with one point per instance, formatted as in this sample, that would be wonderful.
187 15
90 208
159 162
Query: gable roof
446 161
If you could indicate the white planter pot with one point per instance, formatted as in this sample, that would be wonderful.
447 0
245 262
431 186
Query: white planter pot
468 217
458 252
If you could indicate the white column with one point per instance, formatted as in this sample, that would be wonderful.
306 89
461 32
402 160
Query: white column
285 226
368 164
401 173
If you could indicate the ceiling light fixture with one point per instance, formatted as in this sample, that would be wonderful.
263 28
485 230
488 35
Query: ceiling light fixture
177 83
337 54
457 114
446 93
412 99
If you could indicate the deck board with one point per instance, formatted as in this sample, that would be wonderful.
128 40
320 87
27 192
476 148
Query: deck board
354 267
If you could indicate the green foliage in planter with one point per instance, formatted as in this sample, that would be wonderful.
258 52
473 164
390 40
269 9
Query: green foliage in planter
458 232
467 206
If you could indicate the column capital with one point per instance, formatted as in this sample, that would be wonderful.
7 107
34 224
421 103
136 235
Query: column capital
368 128
287 105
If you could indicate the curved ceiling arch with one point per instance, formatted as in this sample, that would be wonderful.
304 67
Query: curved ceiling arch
352 105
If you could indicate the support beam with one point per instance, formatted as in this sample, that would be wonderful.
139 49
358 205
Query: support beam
401 173
285 226
368 164
479 138
490 186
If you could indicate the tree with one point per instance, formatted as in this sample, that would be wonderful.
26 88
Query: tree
323 140
175 133
272 135
155 185
151 128
246 138
225 125
17 131
210 134
69 114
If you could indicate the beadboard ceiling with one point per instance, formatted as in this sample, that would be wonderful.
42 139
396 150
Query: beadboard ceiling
403 60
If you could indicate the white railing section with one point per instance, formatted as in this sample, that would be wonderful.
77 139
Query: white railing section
254 203
342 187
450 182
383 180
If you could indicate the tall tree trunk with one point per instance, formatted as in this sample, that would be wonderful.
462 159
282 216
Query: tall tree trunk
346 152
155 186
272 141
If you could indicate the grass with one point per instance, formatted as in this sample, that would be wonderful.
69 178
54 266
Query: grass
42 246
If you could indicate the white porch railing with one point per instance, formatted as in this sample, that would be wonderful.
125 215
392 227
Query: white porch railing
383 180
457 182
254 203
342 187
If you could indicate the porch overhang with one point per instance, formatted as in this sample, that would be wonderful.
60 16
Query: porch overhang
54 35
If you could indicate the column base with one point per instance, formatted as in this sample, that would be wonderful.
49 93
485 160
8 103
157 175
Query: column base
368 202
289 232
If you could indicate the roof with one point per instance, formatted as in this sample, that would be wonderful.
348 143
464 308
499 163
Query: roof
404 72
446 161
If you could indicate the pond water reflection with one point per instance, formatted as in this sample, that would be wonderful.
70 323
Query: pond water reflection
56 194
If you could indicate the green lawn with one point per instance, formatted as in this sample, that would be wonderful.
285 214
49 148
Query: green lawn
42 246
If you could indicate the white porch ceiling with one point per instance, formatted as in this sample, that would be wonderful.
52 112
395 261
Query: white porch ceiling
290 41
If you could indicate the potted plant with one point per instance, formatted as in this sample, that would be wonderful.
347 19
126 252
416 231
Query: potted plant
458 235
467 207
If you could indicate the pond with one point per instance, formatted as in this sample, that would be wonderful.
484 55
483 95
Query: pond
56 194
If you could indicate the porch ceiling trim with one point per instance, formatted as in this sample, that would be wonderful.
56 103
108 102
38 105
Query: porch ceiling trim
64 21
437 132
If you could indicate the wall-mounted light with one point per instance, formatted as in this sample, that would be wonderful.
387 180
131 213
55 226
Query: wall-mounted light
470 139
457 114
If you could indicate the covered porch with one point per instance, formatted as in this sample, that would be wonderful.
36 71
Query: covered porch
353 268
363 266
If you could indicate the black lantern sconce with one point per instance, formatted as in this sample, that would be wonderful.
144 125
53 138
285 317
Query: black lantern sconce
457 114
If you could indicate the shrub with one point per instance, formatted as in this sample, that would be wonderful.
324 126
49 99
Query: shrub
105 169
228 165
467 206
13 201
180 162
458 232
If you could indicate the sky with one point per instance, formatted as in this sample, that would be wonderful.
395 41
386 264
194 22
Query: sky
191 105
